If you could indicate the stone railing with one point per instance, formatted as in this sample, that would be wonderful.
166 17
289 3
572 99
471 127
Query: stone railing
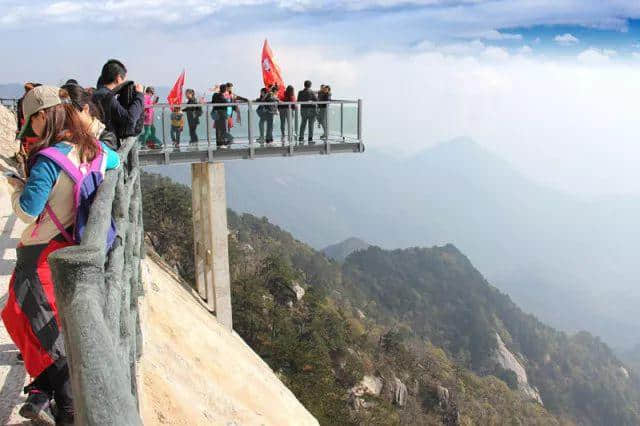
97 296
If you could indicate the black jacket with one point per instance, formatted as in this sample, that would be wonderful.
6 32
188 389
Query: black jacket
218 98
194 112
118 119
305 96
323 97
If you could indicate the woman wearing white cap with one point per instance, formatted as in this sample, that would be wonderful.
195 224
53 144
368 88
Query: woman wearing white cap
45 200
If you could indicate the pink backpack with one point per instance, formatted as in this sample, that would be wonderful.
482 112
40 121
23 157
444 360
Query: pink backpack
87 179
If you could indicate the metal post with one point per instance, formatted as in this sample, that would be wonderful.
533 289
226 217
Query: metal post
342 121
164 138
206 108
289 128
360 125
327 143
252 149
297 122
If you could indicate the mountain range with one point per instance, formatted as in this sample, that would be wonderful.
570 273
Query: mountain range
411 336
570 261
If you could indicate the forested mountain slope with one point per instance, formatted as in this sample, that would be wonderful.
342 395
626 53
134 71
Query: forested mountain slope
414 336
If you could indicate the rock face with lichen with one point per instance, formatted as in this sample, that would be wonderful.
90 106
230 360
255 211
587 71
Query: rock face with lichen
508 361
7 127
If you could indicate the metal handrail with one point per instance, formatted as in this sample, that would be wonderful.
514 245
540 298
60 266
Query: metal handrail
230 104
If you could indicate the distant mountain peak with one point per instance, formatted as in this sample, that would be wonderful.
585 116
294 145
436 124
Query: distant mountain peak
343 249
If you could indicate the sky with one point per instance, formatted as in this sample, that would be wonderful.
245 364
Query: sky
552 86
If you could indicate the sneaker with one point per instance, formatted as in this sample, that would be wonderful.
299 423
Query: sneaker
36 407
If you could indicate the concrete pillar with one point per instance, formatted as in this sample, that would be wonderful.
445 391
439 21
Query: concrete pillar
199 257
211 239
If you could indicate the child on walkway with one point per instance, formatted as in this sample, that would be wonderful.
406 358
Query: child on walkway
177 125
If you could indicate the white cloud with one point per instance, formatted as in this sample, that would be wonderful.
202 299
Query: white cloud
494 53
566 39
467 48
425 45
593 56
497 35
525 50
463 18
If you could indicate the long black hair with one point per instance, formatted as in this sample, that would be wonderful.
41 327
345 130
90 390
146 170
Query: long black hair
81 97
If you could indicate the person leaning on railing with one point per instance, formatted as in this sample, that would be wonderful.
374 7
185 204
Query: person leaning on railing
220 114
118 119
46 201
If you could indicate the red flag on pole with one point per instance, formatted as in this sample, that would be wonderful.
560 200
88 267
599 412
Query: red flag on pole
175 95
270 70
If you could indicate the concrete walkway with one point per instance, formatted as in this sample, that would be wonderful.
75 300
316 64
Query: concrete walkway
12 374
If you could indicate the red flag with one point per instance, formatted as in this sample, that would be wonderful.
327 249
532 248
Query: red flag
175 95
270 70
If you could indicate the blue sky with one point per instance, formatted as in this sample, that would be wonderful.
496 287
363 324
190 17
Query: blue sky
550 85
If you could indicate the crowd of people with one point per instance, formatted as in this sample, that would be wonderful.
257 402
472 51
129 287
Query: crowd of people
68 139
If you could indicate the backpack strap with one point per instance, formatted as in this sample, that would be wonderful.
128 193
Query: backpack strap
63 162
58 224
96 163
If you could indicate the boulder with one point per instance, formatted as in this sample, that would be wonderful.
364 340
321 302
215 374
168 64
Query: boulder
298 290
507 360
443 396
369 385
399 393
624 372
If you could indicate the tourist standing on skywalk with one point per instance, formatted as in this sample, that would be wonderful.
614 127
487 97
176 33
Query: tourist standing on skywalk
193 115
221 115
148 137
324 95
289 96
307 112
267 113
46 201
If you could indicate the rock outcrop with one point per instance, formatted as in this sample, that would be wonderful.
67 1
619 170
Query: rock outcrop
507 360
443 397
7 127
389 389
400 393
194 372
369 385
298 290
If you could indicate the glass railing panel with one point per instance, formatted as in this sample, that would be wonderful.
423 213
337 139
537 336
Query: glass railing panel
339 120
